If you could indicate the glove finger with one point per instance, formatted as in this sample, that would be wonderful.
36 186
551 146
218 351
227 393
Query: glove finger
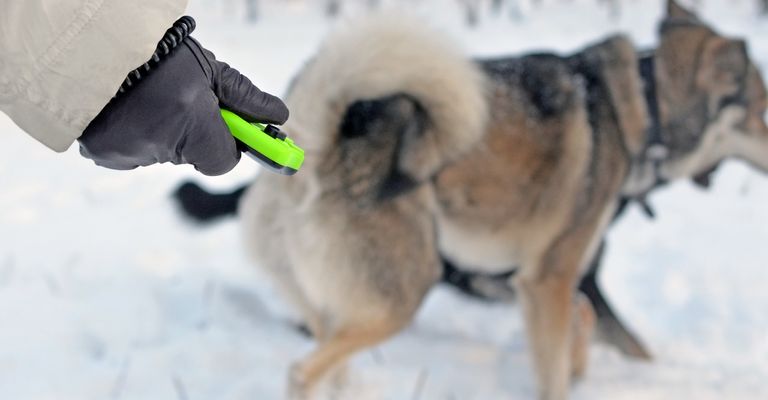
211 148
237 94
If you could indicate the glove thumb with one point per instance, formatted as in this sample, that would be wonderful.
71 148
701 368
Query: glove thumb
237 94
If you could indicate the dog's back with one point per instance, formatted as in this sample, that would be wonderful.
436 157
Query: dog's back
557 124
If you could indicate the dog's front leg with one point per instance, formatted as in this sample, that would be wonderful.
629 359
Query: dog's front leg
559 324
548 308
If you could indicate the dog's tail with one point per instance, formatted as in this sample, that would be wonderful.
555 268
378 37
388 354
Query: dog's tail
202 206
384 55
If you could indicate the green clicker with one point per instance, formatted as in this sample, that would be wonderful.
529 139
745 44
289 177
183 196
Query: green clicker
266 144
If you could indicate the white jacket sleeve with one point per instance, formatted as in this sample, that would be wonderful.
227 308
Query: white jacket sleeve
62 60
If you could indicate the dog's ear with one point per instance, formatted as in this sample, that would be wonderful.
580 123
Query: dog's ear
676 11
723 66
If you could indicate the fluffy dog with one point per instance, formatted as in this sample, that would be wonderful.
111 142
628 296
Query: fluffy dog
416 154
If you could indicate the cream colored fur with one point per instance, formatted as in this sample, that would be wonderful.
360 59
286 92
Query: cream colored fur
382 55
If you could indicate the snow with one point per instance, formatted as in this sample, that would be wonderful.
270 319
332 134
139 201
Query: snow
107 293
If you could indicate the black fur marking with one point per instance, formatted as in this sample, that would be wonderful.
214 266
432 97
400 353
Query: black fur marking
398 114
542 82
539 75
704 179
359 115
204 207
464 281
396 184
589 286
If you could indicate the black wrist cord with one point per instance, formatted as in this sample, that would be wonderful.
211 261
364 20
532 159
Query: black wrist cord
172 38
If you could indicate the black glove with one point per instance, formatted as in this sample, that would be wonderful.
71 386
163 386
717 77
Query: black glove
172 115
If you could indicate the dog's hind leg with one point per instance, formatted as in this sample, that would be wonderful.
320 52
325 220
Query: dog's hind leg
336 347
288 287
610 329
381 268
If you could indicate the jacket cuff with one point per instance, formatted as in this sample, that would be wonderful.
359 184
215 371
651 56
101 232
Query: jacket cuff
85 65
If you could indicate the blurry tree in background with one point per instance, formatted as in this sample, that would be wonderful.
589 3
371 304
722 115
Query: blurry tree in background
333 7
252 10
474 10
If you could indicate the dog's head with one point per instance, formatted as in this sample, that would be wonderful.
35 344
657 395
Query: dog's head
712 99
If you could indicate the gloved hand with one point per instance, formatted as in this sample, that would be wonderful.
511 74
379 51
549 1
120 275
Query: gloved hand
172 115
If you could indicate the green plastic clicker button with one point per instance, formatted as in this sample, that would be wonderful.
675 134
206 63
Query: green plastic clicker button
266 144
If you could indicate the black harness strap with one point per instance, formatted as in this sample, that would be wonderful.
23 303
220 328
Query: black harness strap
655 141
655 150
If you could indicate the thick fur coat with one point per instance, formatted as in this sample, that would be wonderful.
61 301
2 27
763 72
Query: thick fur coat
416 153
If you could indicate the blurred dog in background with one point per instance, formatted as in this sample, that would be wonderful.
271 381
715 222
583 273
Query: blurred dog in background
418 156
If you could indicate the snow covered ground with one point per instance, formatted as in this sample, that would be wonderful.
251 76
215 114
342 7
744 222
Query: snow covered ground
106 293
